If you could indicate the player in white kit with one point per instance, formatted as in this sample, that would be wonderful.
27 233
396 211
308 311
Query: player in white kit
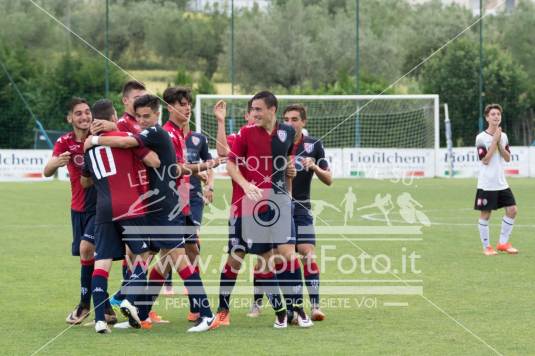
493 192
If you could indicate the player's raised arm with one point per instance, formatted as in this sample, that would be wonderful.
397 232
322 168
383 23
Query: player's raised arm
111 141
98 126
221 145
493 146
504 150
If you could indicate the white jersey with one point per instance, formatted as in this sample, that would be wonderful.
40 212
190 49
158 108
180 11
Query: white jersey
491 175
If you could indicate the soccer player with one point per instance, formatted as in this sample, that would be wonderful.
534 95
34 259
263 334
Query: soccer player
120 188
309 160
131 91
162 209
493 192
254 164
127 123
235 257
68 150
190 147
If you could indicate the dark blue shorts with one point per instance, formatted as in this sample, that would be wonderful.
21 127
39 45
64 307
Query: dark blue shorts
160 240
237 242
110 239
304 229
196 204
190 236
83 228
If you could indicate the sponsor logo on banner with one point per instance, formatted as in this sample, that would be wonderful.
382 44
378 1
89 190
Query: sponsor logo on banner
388 163
21 165
282 135
466 162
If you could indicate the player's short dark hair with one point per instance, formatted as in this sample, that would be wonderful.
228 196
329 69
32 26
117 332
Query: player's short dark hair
75 101
296 107
268 97
103 109
132 85
174 95
489 107
147 100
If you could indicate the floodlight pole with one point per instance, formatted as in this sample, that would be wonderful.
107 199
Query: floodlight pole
357 72
481 92
357 46
107 52
232 46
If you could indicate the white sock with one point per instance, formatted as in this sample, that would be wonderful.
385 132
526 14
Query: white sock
507 227
484 232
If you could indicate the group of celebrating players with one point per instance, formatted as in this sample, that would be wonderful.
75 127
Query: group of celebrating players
138 192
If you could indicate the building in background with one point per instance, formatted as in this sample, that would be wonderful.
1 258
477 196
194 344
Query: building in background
203 5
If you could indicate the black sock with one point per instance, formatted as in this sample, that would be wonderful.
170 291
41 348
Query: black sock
137 283
268 283
226 284
192 281
99 284
258 295
291 283
312 281
86 274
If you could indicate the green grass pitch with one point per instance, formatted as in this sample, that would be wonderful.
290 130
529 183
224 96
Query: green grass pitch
471 304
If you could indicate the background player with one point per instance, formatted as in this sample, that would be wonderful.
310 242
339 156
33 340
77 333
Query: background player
131 91
68 150
493 192
309 160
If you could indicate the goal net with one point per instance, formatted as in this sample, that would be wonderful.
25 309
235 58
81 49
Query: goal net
365 121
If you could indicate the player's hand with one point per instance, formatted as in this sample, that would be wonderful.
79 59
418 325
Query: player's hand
87 143
497 135
291 172
63 159
216 162
99 126
252 192
220 110
203 176
309 164
208 195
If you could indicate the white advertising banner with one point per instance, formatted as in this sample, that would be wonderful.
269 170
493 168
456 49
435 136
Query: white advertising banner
388 163
466 162
23 165
336 161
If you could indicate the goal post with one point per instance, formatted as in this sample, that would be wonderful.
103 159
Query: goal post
343 121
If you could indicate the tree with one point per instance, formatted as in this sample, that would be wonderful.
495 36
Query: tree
15 119
454 74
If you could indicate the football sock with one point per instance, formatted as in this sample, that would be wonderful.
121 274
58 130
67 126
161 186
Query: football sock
99 283
192 281
484 232
226 284
311 273
86 274
507 228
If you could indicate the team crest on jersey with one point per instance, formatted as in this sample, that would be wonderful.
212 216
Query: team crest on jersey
309 147
282 135
195 140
